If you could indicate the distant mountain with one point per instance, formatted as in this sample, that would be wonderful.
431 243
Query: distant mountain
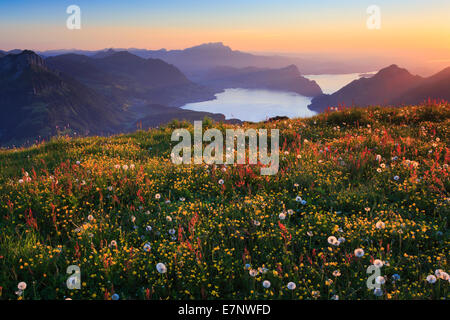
199 59
4 53
384 87
196 60
104 54
75 93
35 100
435 87
125 76
284 79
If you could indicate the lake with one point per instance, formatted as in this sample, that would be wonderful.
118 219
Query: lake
259 105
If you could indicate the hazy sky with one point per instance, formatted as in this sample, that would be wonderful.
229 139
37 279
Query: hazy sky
407 26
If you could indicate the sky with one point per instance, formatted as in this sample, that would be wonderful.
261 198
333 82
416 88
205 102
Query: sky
410 28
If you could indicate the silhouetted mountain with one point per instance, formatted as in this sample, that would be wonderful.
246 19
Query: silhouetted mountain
285 79
125 76
381 89
104 53
195 61
434 87
198 59
35 100
4 53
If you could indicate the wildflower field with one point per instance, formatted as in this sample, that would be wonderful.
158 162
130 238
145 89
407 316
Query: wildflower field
356 188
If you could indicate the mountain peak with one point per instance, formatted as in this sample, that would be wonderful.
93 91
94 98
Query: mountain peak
22 60
211 46
121 55
104 53
393 70
292 68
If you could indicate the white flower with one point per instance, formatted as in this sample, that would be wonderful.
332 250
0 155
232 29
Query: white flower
282 216
169 219
78 162
161 267
125 167
266 284
221 181
444 276
380 225
298 199
333 241
147 247
291 286
157 196
380 280
310 233
253 272
90 217
431 279
22 286
359 253
378 263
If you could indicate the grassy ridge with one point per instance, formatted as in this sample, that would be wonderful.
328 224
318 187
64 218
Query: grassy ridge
377 179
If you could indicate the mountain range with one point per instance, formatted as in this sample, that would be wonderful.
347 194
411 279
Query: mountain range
391 86
112 91
84 95
284 79
125 76
197 60
35 100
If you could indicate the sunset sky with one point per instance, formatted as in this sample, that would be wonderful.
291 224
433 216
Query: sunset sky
409 27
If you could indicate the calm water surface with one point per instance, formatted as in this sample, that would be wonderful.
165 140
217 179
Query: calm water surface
259 105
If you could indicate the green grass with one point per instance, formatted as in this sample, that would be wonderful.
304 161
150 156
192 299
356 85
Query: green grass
55 213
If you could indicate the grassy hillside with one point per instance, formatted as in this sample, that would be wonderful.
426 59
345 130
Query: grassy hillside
117 207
